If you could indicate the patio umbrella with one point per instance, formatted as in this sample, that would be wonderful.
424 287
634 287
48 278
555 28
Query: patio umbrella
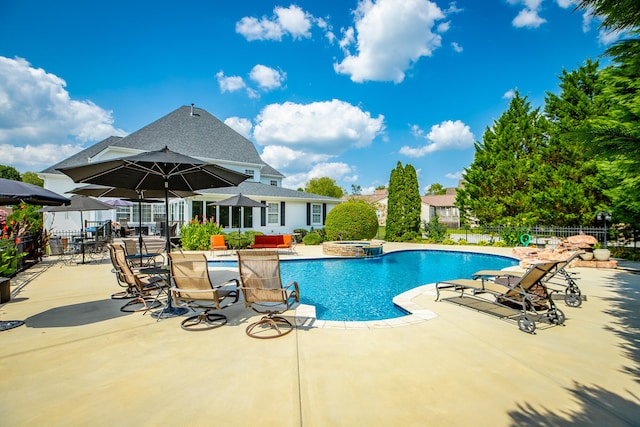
162 170
15 192
241 201
80 204
131 195
118 203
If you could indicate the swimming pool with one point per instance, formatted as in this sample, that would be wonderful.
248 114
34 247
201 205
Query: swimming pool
357 289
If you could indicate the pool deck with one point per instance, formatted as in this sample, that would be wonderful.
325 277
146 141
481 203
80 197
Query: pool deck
81 361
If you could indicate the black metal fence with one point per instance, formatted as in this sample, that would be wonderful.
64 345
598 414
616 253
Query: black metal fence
543 235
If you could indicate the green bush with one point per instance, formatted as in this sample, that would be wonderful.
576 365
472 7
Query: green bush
499 243
312 238
448 242
434 230
351 221
483 243
463 242
195 235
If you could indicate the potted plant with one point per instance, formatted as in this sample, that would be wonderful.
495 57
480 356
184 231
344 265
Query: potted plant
599 253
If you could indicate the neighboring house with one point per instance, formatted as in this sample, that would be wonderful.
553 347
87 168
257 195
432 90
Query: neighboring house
443 206
379 199
197 133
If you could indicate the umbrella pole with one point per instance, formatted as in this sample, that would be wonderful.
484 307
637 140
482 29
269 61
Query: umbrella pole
140 230
82 235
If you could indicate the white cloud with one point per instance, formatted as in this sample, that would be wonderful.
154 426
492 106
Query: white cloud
240 125
457 47
448 135
509 94
443 27
285 157
231 83
337 170
292 20
528 17
608 37
565 4
329 127
267 78
392 35
454 175
39 123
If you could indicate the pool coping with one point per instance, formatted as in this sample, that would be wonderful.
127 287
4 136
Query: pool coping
305 314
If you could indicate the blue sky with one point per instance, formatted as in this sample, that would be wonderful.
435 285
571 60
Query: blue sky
344 89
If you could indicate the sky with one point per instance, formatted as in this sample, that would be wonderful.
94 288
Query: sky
344 89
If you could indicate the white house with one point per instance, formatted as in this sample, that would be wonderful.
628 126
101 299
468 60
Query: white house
197 133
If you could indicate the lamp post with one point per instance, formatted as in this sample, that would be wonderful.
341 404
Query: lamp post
604 216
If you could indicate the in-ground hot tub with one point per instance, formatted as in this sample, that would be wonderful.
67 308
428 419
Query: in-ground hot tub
352 248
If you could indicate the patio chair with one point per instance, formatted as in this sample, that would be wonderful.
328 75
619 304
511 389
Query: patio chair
146 289
129 291
525 296
125 230
217 243
262 290
140 257
193 289
572 295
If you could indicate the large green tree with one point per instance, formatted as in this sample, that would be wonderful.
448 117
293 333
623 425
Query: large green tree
324 186
571 183
404 204
497 185
617 15
9 172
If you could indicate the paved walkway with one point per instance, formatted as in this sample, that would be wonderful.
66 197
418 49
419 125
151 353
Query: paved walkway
81 361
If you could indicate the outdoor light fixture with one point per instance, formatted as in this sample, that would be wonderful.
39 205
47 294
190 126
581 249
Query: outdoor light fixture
604 216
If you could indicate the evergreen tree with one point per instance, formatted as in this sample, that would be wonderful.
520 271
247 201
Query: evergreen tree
497 185
570 181
395 214
9 172
403 209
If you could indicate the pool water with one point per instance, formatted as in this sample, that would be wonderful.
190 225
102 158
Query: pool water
356 289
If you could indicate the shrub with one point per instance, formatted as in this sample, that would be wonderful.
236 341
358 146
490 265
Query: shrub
312 238
500 243
483 243
463 242
195 235
448 242
434 230
351 221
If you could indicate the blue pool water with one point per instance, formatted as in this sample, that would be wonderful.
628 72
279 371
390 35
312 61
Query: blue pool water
363 288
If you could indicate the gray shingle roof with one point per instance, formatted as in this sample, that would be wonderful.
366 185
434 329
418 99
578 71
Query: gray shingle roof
255 190
268 170
199 135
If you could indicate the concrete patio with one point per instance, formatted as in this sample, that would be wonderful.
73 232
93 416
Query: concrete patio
81 361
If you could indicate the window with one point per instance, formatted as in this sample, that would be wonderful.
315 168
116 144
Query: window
273 213
251 173
273 183
123 213
316 214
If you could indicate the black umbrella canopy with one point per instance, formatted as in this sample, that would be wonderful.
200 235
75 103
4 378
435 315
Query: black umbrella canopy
96 190
80 204
15 192
157 170
239 200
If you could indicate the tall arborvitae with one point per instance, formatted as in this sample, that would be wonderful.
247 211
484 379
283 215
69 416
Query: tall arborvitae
403 210
395 210
413 203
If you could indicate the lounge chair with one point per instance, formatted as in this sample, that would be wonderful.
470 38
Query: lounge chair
193 289
525 296
129 290
572 294
217 243
262 290
146 289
